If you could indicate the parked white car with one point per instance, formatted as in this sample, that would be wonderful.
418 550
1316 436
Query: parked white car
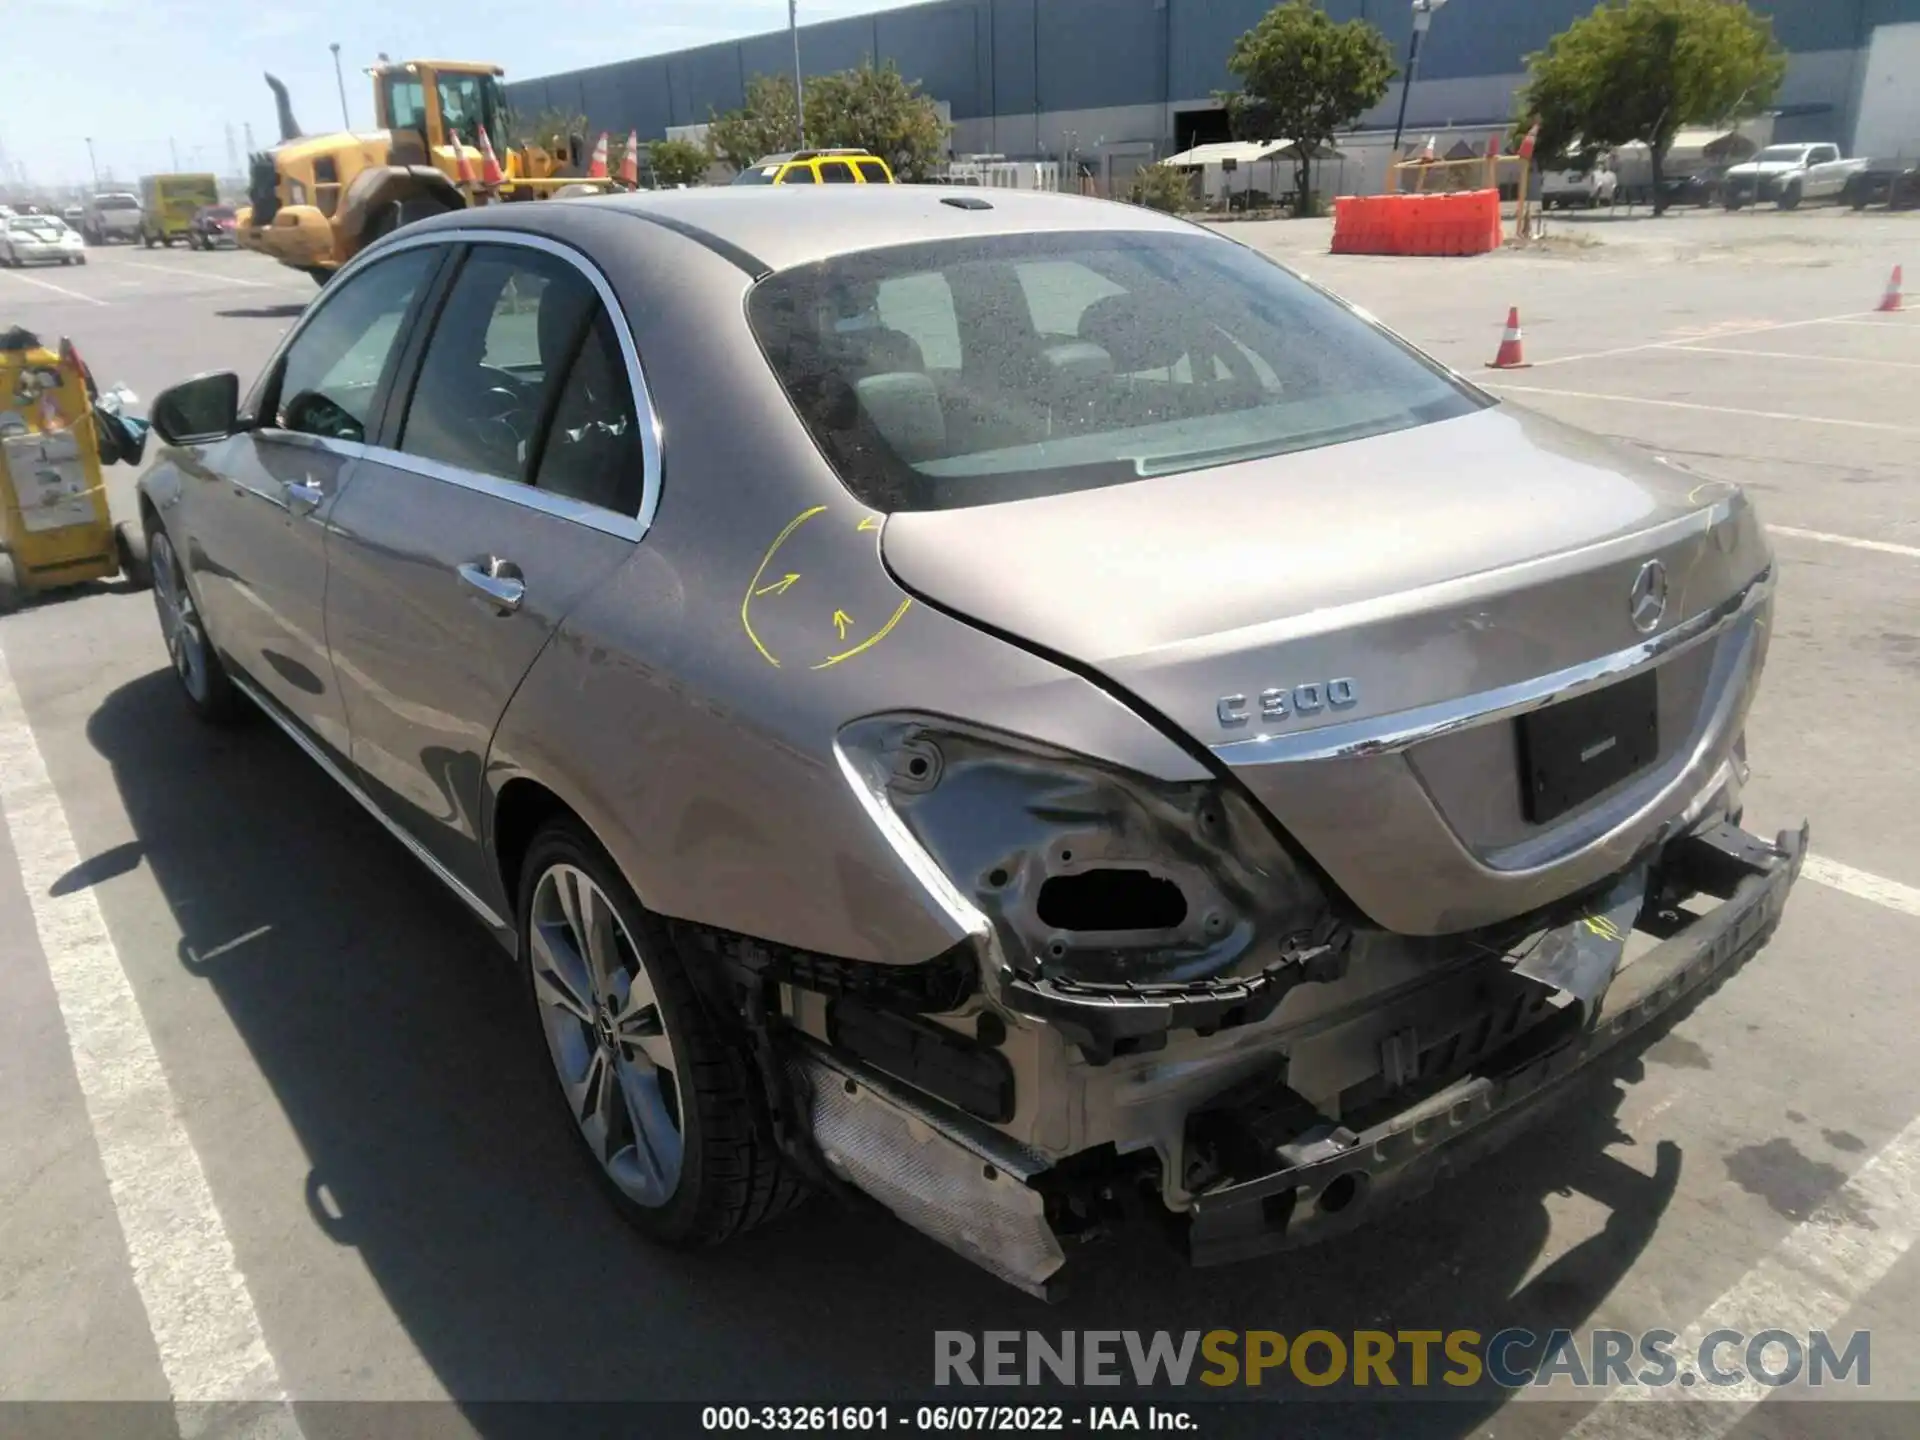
39 240
1788 175
1583 189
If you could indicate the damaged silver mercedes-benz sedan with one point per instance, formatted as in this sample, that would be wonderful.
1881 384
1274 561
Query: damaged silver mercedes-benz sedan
1011 704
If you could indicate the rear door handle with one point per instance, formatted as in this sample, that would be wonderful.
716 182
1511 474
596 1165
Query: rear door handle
303 499
497 583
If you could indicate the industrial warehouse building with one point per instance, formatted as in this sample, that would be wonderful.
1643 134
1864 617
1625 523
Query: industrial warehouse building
1111 84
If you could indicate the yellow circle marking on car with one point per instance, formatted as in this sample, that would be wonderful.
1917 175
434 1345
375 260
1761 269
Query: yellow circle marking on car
773 582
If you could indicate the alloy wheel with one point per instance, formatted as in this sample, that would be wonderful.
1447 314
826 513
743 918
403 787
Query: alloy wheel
607 1035
180 623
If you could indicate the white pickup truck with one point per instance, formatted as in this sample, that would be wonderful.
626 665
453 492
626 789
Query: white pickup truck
1788 175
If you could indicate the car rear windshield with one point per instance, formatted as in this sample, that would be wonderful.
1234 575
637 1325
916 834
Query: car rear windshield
757 175
957 373
116 202
1779 154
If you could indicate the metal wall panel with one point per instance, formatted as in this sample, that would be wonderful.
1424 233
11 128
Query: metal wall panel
1007 59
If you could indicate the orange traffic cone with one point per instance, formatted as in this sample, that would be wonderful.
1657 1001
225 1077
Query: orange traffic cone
630 162
1890 303
1511 356
490 172
463 167
597 167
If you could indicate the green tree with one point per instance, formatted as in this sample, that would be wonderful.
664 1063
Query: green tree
874 108
1304 78
1639 70
870 106
1161 187
765 125
678 162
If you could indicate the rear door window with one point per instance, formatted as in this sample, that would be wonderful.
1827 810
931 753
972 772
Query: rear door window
837 172
509 329
524 380
872 171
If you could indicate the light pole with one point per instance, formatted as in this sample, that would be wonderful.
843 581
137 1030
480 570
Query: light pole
1422 18
346 123
799 94
173 149
93 164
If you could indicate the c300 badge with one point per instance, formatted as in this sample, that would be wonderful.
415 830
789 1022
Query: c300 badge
1281 703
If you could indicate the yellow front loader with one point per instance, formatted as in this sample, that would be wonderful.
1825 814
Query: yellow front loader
318 200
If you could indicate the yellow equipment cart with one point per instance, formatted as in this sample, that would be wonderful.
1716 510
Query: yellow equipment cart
55 529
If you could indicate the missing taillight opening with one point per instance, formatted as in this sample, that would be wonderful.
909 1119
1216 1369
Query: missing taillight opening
1103 901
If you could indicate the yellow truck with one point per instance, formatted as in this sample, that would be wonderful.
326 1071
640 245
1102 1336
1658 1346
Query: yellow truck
318 200
167 203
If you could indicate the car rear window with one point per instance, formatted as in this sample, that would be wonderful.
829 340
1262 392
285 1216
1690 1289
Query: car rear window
959 373
872 171
116 202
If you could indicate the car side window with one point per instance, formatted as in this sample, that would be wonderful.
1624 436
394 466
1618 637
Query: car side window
873 172
514 345
331 372
837 172
798 175
591 450
1825 154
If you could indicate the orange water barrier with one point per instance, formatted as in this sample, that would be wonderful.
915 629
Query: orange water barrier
1465 222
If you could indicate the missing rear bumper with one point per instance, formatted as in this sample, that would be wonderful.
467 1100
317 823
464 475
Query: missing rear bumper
1331 1178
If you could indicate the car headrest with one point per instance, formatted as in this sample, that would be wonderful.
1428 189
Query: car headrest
1078 361
880 350
1137 336
905 408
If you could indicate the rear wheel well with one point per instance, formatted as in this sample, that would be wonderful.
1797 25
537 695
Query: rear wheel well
523 808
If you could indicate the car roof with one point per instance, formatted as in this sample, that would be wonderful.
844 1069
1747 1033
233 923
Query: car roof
774 228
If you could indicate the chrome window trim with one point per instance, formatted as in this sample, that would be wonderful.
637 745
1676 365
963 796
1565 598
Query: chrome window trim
514 492
1403 729
320 757
612 522
300 439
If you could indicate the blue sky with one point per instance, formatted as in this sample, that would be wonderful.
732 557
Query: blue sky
135 73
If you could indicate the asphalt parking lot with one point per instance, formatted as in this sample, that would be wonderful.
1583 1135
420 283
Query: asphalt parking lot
352 1080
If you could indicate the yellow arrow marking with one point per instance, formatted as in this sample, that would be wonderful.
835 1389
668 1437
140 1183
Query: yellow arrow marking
766 560
871 641
779 587
840 622
870 522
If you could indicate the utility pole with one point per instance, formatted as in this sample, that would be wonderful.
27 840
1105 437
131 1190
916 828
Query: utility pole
93 164
799 93
246 128
1422 18
233 155
346 122
173 149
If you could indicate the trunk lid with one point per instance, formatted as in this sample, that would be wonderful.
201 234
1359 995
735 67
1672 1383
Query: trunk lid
1372 586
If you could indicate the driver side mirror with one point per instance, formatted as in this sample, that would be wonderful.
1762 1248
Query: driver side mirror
198 411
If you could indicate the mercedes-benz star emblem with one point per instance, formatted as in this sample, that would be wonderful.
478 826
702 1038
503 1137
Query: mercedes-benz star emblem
1647 601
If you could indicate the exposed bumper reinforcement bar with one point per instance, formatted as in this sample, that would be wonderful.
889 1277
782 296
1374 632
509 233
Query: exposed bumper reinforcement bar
1406 1154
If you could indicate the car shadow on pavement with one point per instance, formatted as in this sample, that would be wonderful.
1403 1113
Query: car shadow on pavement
393 1036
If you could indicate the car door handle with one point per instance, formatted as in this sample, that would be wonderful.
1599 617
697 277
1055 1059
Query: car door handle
497 583
303 499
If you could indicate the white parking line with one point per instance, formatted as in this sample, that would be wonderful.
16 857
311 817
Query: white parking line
1710 409
1823 1268
49 285
1785 355
1862 885
1885 547
198 275
198 1307
1851 317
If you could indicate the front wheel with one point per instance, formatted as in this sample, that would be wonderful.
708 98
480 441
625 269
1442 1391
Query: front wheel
666 1109
136 564
210 691
1790 198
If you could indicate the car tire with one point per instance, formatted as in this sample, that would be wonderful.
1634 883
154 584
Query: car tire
11 595
1789 198
209 689
623 1065
130 545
